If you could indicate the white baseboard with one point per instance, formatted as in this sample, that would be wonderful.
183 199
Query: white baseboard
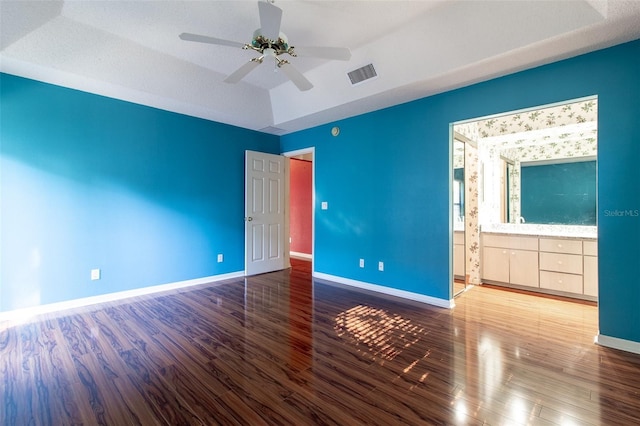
28 314
299 255
617 343
416 297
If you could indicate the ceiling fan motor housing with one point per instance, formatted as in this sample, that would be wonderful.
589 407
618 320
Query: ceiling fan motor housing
260 42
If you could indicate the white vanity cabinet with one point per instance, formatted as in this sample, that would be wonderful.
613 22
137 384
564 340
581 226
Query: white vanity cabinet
458 255
590 259
557 265
510 259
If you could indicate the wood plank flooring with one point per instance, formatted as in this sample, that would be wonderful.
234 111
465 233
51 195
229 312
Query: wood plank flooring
280 349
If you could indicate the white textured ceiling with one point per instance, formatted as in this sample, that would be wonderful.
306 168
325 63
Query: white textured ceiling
130 50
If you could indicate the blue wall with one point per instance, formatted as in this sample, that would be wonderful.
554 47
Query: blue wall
151 197
386 179
147 196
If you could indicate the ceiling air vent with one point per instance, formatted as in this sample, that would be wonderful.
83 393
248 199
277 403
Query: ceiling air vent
361 74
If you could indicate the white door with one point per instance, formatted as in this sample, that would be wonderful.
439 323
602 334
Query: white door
265 177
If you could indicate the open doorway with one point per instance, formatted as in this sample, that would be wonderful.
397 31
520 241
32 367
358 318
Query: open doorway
531 199
301 202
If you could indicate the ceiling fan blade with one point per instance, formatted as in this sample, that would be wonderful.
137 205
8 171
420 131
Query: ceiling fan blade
241 72
339 53
295 76
210 40
270 18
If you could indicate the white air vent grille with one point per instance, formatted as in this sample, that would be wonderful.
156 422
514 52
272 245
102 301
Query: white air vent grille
361 74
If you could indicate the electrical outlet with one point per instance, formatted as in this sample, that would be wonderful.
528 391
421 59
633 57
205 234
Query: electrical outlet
220 258
362 263
380 266
95 274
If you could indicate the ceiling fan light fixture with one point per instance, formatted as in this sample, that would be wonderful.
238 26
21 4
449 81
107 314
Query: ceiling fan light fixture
270 42
260 42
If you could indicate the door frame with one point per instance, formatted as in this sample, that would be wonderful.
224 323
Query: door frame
295 153
482 172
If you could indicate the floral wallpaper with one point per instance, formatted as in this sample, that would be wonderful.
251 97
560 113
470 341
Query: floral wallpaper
561 131
471 216
554 150
472 225
471 130
540 119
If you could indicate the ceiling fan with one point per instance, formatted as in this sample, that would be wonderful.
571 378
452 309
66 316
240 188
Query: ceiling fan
271 43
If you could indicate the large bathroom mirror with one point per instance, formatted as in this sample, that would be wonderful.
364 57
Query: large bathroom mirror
567 184
540 166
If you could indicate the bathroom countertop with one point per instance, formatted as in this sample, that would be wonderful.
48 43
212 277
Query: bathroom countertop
565 231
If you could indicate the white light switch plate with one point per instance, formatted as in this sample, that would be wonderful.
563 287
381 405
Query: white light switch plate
325 205
95 274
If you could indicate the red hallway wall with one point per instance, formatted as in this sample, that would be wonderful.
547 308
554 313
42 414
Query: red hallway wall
300 199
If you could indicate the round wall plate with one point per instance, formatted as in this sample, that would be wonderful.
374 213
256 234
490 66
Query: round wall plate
335 131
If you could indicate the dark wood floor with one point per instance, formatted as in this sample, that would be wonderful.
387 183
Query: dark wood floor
277 349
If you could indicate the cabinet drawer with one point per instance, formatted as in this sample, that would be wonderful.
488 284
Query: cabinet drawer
524 243
561 246
509 241
491 240
561 282
570 263
590 248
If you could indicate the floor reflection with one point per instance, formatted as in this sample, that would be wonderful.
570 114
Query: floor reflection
286 305
520 353
498 357
279 348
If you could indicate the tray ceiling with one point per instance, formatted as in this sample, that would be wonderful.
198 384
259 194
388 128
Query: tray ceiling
130 50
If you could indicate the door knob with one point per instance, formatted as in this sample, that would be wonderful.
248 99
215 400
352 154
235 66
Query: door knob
249 219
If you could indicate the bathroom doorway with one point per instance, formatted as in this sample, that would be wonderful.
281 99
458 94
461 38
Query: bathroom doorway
530 181
301 203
